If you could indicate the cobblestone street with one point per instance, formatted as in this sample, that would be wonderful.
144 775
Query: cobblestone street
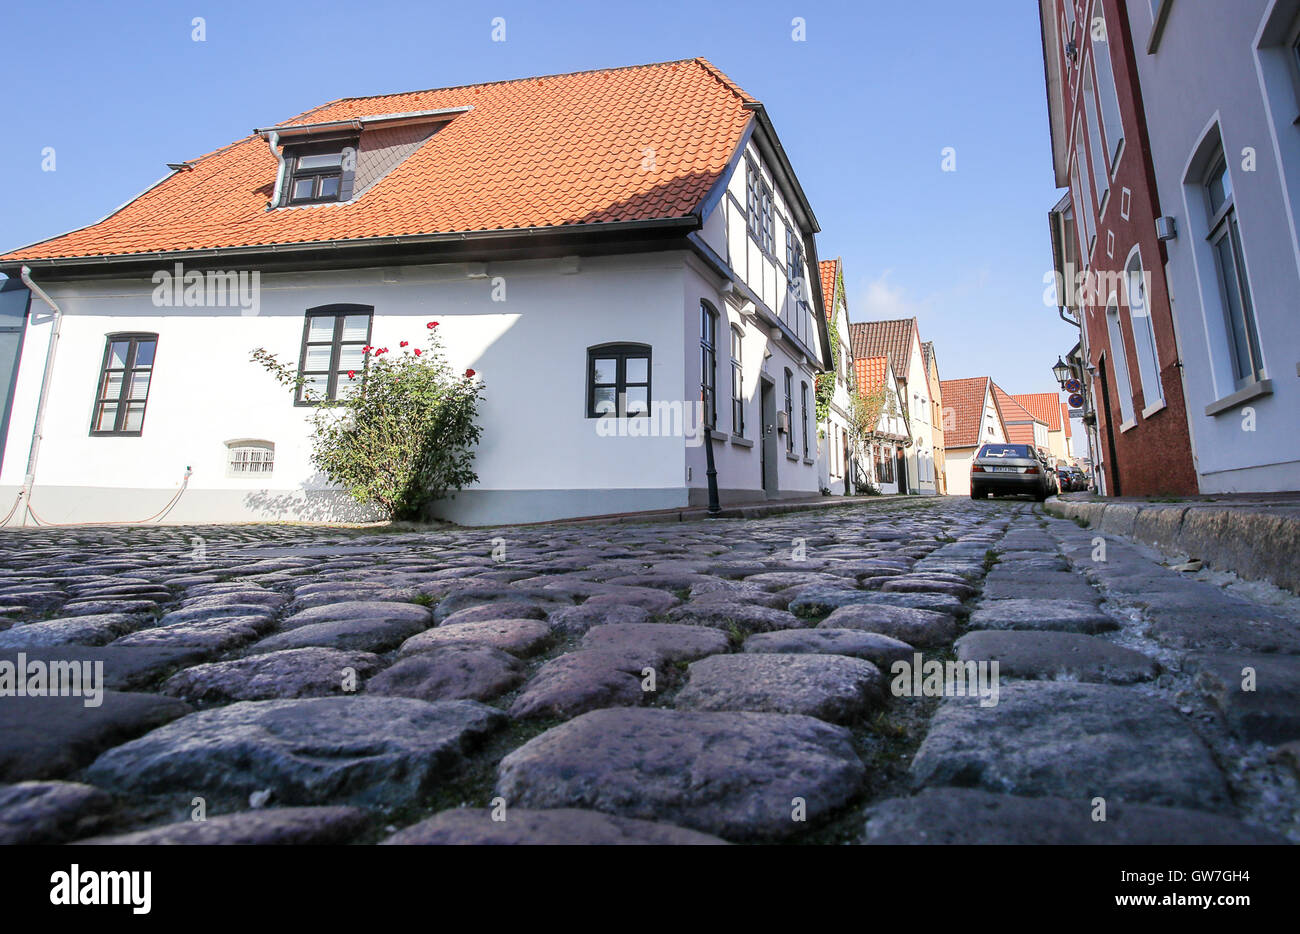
690 682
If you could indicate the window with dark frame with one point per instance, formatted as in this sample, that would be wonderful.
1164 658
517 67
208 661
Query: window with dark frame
123 388
794 262
758 205
333 360
319 173
789 412
737 385
803 400
1238 308
709 363
618 381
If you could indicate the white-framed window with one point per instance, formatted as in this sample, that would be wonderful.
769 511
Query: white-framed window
249 458
1144 333
1234 285
1100 176
1119 362
1080 183
1111 121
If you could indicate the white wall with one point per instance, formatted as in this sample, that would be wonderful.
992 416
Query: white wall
1226 65
959 470
530 350
920 456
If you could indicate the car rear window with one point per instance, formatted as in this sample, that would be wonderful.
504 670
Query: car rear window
1004 450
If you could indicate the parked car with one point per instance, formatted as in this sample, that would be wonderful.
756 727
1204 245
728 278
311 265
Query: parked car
1065 479
1010 469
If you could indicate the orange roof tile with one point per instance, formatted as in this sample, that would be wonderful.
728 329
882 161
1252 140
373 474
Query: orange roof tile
1065 420
1012 411
1046 407
829 269
963 400
870 372
531 153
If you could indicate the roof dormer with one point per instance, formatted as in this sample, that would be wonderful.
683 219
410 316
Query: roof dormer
336 162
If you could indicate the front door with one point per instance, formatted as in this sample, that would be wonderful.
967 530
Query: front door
767 438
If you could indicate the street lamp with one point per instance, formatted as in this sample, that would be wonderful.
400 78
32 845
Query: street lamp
1062 372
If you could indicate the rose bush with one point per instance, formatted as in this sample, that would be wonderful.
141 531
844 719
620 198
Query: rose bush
402 432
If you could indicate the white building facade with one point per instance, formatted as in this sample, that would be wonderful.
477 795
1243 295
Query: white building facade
1220 85
155 412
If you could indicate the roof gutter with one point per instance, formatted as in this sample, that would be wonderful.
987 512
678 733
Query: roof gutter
687 222
33 451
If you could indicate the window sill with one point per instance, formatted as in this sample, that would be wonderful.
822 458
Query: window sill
742 442
809 461
792 457
1263 387
1152 409
1128 425
719 437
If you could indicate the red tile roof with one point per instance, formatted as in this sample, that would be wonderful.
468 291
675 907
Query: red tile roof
1065 420
870 372
1046 407
963 410
891 338
830 273
535 152
1012 410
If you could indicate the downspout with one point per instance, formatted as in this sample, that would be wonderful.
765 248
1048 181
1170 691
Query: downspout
46 378
273 140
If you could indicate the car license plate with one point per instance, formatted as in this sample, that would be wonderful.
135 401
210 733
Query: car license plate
1003 469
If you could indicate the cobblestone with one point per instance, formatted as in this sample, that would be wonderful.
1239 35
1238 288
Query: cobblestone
691 682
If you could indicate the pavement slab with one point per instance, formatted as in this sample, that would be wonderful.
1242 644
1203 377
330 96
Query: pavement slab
555 827
729 774
1056 655
1074 741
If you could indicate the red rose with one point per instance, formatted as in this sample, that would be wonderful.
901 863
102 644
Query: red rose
402 344
367 349
418 351
431 325
352 374
469 374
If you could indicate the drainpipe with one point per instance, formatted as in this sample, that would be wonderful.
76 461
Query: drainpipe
273 140
46 379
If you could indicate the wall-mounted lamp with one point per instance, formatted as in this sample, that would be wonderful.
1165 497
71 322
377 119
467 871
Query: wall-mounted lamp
1166 229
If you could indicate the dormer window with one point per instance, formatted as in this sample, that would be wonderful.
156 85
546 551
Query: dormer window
318 173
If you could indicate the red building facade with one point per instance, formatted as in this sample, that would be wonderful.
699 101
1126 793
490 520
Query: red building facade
1109 260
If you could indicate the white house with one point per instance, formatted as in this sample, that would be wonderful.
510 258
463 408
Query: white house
834 452
971 419
884 459
644 253
1220 86
900 341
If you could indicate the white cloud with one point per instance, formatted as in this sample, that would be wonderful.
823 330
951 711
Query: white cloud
886 300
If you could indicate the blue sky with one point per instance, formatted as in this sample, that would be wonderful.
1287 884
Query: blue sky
864 106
